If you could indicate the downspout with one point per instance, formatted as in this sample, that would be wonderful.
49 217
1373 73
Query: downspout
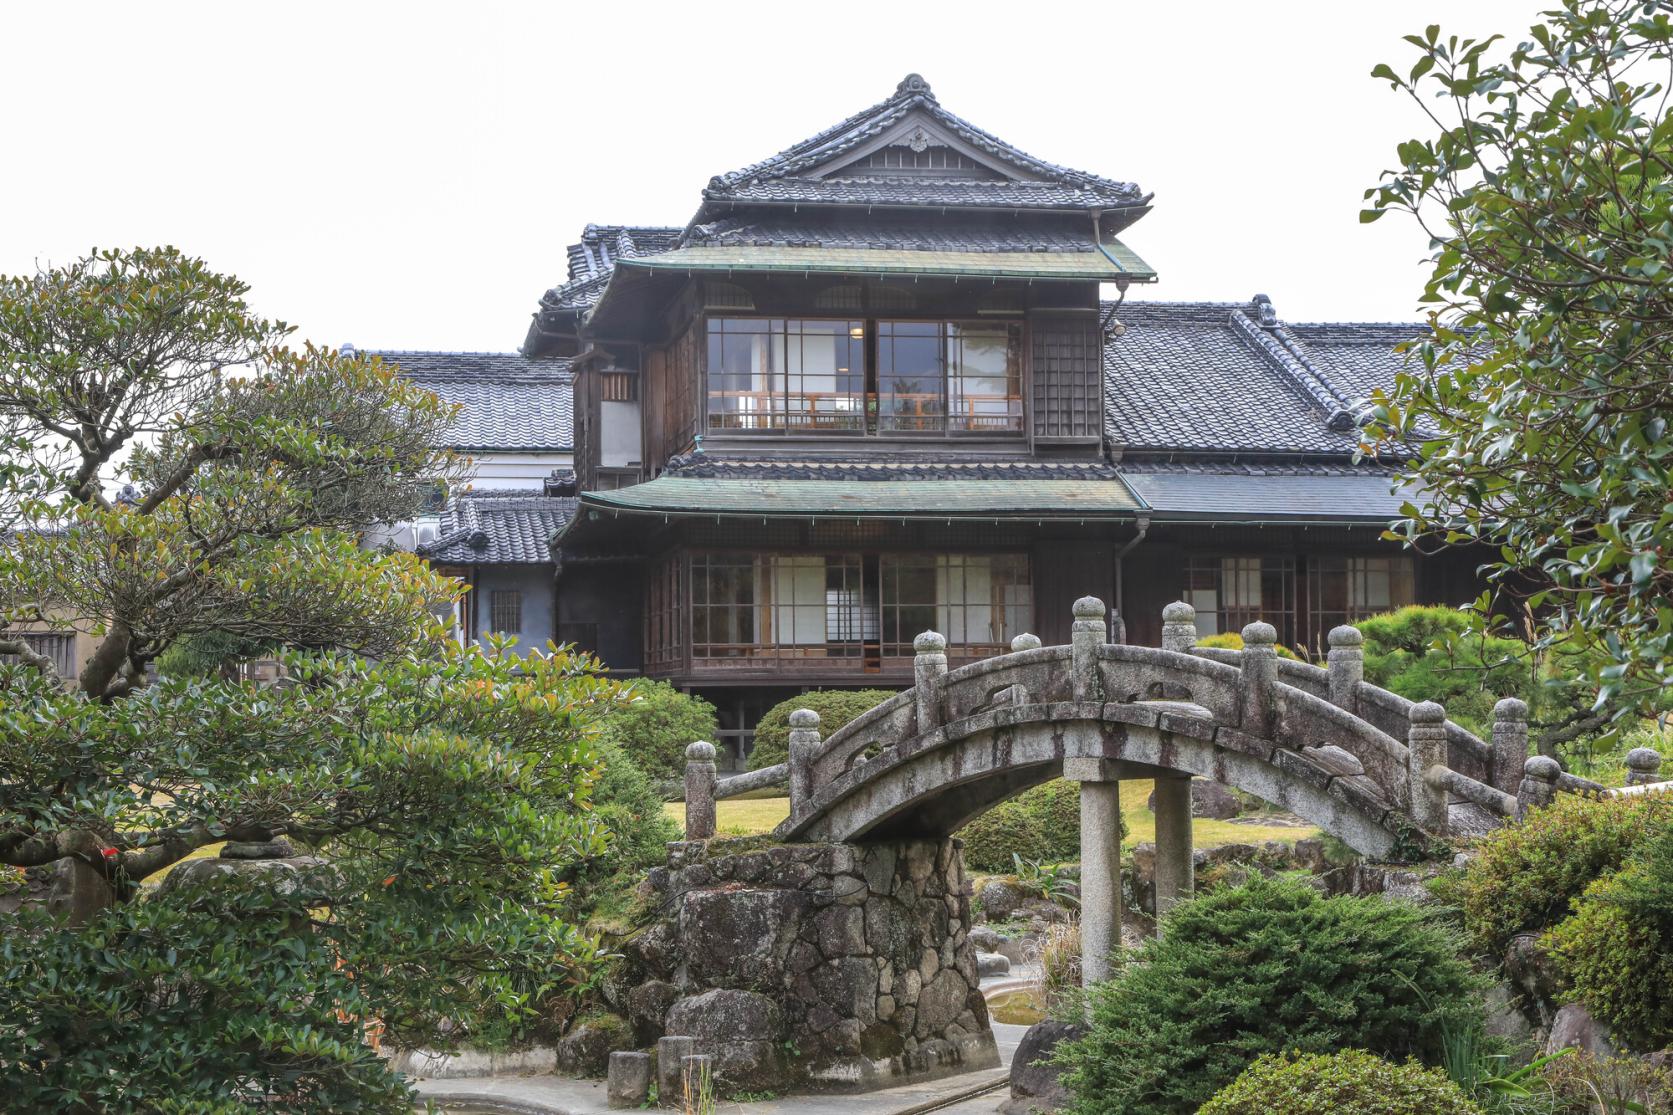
1143 524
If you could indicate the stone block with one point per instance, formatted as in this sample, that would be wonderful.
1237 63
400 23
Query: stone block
585 1050
1036 1083
992 964
1575 1028
739 937
1208 799
670 1052
628 1079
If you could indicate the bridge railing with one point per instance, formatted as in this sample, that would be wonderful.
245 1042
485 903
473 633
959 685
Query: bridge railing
1417 758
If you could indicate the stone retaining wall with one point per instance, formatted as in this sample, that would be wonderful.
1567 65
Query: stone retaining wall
826 966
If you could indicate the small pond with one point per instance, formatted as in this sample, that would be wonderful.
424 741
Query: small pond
1016 1008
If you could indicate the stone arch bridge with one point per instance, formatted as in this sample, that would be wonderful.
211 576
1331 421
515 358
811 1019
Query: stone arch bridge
1389 777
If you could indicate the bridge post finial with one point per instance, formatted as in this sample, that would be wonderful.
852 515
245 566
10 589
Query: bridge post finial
1179 627
700 791
804 749
1643 765
1025 641
1259 703
928 668
1510 744
1085 637
1425 750
1539 783
1347 666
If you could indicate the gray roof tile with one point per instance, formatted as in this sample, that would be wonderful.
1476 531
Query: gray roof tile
950 234
500 528
510 401
1343 491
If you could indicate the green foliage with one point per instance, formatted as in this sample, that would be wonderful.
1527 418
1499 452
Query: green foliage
1262 968
1429 653
656 725
1616 951
836 707
1232 640
626 803
1538 395
1041 825
1351 1082
1523 877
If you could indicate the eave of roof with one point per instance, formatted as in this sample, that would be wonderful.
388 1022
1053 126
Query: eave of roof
1292 495
672 496
1120 262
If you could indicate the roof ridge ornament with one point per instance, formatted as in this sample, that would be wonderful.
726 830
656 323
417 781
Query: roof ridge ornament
914 85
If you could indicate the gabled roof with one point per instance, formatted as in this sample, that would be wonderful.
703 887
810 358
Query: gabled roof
601 245
499 528
1230 379
826 168
510 402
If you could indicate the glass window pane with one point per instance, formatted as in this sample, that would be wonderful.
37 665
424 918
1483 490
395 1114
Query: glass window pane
984 378
910 377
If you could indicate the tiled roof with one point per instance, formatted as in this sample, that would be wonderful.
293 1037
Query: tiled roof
1341 492
1228 378
500 528
917 234
602 245
789 176
509 401
846 468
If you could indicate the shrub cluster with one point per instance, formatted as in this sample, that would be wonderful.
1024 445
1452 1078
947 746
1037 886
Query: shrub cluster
1427 653
1261 968
1232 640
656 724
1041 824
1523 878
836 707
1351 1082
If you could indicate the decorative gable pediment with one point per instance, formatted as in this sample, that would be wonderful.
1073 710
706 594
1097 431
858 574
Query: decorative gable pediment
918 146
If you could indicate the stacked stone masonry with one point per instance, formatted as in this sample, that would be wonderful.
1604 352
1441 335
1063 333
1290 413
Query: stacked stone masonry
824 966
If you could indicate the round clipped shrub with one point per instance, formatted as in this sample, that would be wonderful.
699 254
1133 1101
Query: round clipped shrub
836 707
1524 877
1261 968
1351 1082
1041 824
1428 653
1231 640
1616 952
655 724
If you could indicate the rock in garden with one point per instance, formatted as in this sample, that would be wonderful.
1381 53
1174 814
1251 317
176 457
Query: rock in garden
985 938
1036 1086
1208 799
1575 1028
992 964
1000 899
586 1049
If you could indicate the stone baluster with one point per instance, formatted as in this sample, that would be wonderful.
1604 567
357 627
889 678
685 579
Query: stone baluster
804 750
1426 750
1643 766
1025 641
1179 627
1510 744
699 791
928 668
1347 666
671 1053
1086 636
1259 696
1539 783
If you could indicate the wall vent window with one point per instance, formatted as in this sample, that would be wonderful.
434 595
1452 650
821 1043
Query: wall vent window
505 611
618 387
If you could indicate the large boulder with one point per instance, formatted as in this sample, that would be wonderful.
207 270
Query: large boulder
741 1030
1208 799
733 936
586 1049
1575 1028
1000 898
1037 1086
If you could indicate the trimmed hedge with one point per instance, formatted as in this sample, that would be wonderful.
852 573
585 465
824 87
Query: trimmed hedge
655 726
1232 640
1351 1082
1041 824
836 707
1262 968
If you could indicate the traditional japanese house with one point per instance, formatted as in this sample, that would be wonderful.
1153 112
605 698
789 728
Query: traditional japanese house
899 377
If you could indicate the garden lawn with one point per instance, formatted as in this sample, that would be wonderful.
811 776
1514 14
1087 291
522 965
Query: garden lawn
754 816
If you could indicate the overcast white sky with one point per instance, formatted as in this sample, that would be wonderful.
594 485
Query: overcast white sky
407 175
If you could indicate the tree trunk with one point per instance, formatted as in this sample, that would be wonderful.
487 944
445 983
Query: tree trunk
104 664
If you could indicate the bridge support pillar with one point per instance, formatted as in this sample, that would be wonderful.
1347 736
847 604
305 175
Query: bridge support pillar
700 791
1100 865
1175 876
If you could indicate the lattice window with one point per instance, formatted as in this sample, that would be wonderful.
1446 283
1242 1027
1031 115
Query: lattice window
618 387
806 375
505 611
1068 374
978 601
1348 589
1231 592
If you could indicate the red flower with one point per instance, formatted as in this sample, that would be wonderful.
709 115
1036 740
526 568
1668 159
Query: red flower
109 853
